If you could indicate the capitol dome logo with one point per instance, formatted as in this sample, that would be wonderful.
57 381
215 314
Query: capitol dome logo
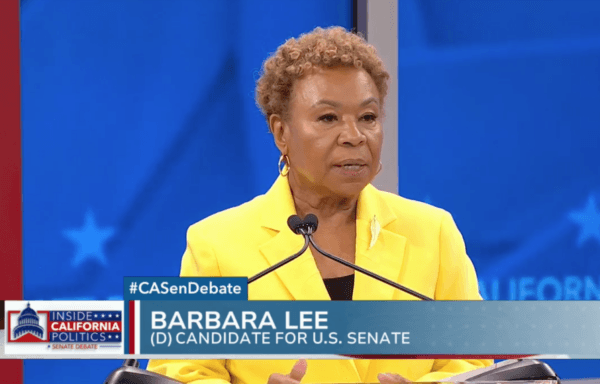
28 326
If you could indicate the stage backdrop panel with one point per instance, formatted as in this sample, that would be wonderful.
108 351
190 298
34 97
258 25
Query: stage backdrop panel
498 124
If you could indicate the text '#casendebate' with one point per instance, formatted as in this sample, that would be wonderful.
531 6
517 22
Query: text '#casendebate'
181 288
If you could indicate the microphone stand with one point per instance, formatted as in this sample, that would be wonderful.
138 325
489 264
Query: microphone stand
281 263
308 236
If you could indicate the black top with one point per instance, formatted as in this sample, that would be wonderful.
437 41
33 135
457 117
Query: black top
340 288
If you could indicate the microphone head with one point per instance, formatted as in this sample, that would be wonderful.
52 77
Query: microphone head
295 223
311 221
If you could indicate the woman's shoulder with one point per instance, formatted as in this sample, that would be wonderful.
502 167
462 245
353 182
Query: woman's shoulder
412 209
415 219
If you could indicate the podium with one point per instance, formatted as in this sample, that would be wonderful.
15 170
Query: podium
509 371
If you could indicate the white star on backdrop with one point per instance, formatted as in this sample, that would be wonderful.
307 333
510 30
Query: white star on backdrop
90 240
588 220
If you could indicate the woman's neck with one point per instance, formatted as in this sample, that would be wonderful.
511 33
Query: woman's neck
325 206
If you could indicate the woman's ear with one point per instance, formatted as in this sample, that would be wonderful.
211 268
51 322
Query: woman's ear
279 128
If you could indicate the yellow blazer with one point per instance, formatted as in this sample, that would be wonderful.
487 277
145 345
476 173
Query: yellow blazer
406 241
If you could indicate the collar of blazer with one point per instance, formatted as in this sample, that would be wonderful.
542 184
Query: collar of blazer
382 255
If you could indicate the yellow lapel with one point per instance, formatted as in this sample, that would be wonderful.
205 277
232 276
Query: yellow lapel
300 277
377 248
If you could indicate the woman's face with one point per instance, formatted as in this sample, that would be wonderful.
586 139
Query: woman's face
333 134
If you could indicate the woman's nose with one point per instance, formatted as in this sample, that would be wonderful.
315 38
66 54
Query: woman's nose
351 134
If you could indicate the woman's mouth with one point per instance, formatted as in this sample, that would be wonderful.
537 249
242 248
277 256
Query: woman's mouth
352 170
352 167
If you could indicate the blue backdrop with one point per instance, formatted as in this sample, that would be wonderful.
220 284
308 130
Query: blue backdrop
139 119
499 125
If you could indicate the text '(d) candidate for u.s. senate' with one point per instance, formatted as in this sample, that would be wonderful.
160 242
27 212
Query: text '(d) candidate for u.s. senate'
323 96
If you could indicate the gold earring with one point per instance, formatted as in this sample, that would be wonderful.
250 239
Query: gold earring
286 165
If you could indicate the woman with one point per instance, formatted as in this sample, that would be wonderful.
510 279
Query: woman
322 96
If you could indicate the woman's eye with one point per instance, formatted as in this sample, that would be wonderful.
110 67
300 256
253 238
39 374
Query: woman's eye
328 118
370 117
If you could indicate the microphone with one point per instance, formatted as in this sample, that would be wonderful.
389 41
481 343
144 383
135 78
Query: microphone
303 227
310 224
295 223
298 226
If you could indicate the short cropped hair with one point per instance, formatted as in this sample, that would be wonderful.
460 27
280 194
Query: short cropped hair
321 48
